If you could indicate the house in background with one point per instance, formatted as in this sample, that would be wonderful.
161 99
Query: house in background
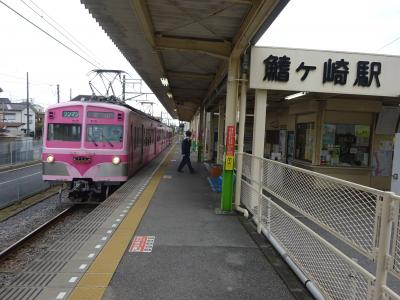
13 117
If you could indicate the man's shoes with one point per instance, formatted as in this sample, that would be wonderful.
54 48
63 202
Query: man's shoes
180 171
192 171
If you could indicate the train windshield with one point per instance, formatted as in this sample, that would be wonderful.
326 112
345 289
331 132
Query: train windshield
64 132
104 133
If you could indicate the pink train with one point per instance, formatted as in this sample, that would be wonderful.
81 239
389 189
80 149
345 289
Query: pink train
94 145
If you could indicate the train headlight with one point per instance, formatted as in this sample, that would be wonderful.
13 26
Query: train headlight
50 159
116 160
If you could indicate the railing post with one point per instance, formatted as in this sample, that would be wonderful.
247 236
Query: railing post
382 251
238 183
260 190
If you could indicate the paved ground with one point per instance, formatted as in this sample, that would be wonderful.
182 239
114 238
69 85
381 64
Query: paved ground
197 254
21 182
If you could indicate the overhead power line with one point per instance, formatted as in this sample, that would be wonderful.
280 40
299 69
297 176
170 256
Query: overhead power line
388 44
23 79
48 34
70 38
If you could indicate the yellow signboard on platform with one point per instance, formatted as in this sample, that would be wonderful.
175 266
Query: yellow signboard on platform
229 162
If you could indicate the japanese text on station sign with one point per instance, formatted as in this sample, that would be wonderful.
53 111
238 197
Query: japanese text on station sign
324 71
229 162
230 140
230 147
278 69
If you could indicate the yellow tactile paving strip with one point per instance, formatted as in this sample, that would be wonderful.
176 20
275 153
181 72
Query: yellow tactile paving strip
95 281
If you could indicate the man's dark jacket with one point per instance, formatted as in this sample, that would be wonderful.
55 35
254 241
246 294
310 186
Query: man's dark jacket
186 143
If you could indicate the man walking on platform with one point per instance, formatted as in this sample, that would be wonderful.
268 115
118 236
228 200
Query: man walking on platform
186 145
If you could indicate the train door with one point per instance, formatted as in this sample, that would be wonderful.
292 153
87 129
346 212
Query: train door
141 144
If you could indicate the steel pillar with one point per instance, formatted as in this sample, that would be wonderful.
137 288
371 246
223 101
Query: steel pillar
230 120
260 109
200 141
220 145
211 138
242 121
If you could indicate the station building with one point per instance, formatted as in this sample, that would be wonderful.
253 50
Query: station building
333 132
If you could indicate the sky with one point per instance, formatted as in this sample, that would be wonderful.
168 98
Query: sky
356 26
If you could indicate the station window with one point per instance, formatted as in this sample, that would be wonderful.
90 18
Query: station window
305 141
345 145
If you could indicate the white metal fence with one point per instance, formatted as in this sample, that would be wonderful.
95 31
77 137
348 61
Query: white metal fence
17 151
313 217
14 190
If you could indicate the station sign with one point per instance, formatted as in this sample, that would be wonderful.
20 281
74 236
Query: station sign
230 147
324 71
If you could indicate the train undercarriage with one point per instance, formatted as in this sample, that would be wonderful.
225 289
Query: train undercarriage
85 191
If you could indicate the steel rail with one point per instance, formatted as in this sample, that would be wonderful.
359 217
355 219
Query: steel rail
8 250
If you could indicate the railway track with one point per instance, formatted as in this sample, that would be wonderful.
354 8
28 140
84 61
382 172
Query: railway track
33 233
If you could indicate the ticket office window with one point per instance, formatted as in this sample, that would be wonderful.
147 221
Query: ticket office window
345 145
305 133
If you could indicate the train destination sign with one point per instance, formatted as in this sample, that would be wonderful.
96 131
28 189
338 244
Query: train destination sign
70 114
100 114
324 71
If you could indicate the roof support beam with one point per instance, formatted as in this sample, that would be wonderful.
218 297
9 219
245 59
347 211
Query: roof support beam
260 11
213 48
140 9
247 2
189 76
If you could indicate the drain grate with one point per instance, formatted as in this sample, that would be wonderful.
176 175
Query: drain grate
19 293
83 230
57 255
69 245
33 280
43 266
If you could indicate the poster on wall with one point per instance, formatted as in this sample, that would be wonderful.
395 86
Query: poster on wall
329 132
387 120
382 159
382 163
362 133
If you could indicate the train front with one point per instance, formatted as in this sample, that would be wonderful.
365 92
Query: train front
84 145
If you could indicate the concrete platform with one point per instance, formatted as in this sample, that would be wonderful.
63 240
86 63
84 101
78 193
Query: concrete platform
197 254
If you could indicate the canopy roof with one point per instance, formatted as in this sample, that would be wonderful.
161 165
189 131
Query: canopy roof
189 42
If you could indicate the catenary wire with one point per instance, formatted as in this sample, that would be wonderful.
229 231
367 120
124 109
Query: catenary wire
59 31
388 44
48 34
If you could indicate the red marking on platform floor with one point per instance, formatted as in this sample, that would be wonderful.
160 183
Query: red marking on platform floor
142 243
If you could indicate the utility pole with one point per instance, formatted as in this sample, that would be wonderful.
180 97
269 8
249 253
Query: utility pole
27 104
58 93
70 93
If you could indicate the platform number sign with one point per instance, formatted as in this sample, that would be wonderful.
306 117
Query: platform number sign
230 148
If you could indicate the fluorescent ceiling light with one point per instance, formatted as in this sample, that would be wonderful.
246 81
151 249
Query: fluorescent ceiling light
169 94
164 81
296 95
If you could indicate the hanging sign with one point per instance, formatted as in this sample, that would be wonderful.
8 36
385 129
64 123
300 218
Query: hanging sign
324 71
230 147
